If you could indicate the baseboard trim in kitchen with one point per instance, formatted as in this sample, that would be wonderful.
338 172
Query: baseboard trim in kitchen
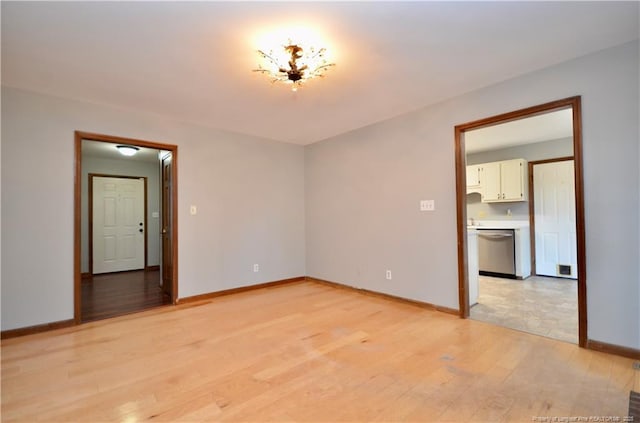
385 296
613 349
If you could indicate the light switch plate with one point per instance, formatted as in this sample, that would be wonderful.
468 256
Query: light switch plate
427 205
193 210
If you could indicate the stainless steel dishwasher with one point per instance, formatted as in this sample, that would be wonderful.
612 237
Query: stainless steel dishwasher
496 252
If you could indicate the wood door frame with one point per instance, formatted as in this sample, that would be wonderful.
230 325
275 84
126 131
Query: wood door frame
461 210
77 206
165 211
532 220
90 214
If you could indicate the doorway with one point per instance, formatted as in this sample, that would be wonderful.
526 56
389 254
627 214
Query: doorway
509 206
135 282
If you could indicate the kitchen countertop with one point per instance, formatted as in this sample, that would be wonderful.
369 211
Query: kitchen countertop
499 224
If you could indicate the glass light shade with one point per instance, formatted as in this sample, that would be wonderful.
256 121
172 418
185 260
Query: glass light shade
127 150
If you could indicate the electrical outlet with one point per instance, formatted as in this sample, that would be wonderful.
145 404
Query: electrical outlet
388 275
256 268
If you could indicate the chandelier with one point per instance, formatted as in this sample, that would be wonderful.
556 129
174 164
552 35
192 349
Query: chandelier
293 63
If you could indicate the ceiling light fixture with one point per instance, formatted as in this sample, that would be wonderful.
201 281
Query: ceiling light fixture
293 63
127 150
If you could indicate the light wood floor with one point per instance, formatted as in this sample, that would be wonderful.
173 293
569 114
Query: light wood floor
304 352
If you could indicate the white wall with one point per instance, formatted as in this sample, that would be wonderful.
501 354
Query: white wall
363 189
249 193
479 211
123 167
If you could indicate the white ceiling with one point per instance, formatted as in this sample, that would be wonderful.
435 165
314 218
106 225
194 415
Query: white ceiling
192 61
545 127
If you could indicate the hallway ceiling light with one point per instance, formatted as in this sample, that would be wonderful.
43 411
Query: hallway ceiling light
293 63
127 150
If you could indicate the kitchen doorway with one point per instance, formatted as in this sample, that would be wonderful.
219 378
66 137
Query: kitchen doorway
112 289
508 209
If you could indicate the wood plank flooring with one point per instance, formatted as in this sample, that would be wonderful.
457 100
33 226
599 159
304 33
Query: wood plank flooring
115 294
304 352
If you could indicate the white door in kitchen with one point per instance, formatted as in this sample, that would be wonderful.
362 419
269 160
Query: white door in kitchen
555 219
118 224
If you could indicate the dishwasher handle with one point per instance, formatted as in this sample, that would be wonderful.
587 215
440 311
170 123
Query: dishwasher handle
496 236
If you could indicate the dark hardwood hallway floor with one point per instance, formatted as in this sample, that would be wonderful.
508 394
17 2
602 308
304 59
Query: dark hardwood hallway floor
115 294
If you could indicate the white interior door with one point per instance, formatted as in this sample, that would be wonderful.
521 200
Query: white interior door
555 219
118 224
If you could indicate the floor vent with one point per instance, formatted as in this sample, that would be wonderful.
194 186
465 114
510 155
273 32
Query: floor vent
564 269
634 406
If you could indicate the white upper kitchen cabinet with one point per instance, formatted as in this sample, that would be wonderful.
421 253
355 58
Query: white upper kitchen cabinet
491 190
473 178
504 181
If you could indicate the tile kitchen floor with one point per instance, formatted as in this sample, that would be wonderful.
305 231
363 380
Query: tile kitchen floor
539 305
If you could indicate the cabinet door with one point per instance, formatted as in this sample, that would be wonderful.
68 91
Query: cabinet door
473 176
491 182
511 179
